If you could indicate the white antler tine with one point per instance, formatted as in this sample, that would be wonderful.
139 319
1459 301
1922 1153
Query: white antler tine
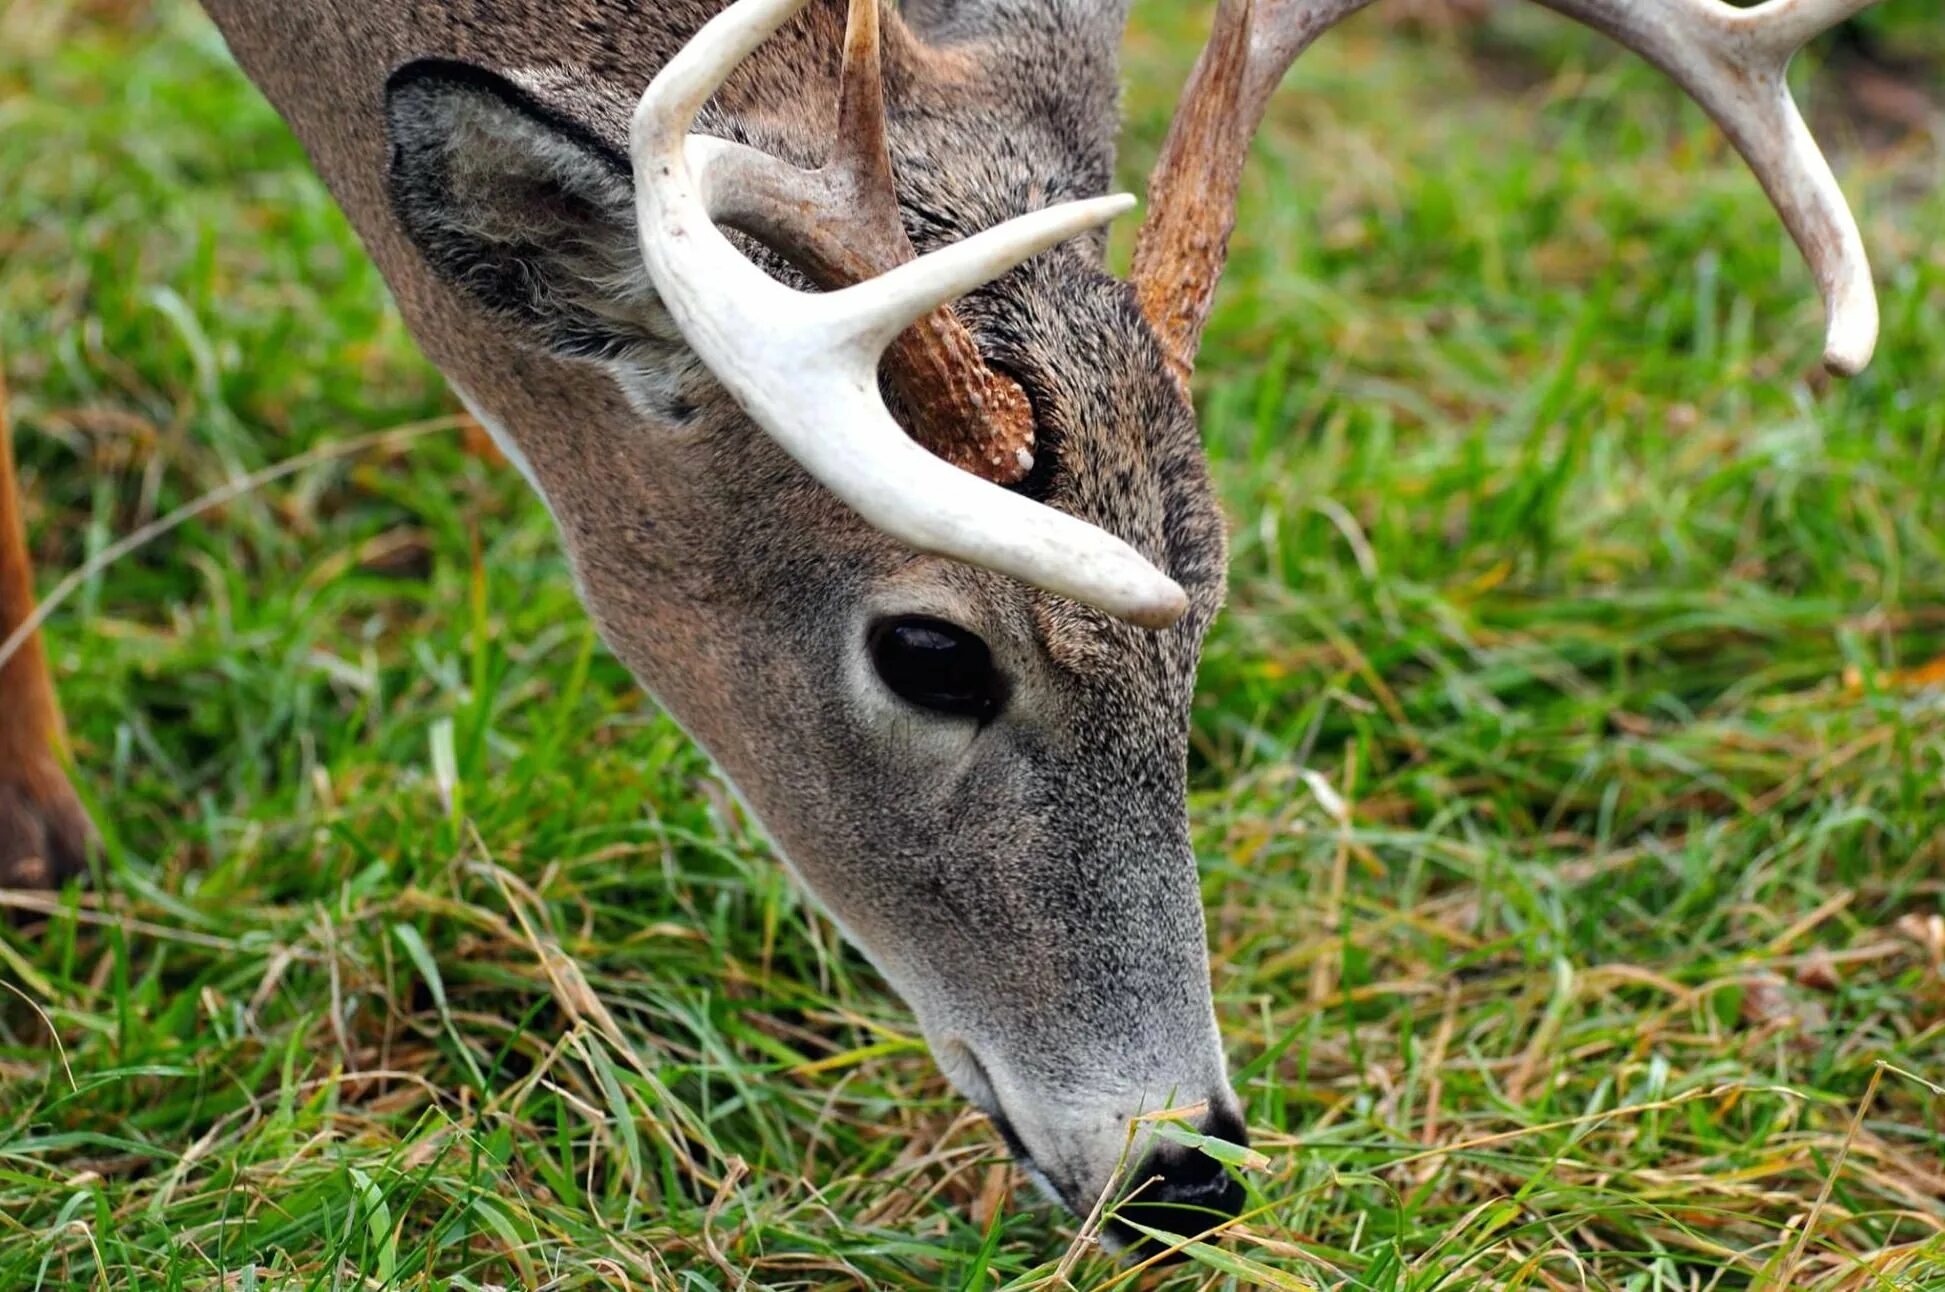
705 282
1731 60
1734 62
668 109
804 366
876 311
1792 168
858 451
1804 190
1784 26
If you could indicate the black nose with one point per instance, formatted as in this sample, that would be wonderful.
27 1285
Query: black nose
1180 1190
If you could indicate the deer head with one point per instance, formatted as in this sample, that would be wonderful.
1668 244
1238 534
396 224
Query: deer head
922 548
889 631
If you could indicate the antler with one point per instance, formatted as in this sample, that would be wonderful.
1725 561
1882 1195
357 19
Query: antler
1730 60
804 365
841 225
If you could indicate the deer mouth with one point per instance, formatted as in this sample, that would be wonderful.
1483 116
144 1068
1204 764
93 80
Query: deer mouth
1171 1190
977 1085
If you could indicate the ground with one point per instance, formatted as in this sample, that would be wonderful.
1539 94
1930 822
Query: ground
1566 776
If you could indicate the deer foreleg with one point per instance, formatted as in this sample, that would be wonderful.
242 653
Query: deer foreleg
44 832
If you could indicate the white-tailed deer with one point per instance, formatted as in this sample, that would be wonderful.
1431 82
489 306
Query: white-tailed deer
891 494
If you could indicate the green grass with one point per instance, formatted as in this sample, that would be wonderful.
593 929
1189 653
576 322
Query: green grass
429 954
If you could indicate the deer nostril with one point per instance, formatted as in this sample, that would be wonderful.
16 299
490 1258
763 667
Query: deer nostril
1225 1123
1180 1191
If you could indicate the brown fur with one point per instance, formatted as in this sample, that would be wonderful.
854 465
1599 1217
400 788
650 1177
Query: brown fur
44 832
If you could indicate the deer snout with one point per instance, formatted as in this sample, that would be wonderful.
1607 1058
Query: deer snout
1076 1150
1180 1190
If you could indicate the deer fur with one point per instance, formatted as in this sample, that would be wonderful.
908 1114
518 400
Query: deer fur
44 832
1028 887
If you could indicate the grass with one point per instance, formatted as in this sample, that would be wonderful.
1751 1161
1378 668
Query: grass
1568 766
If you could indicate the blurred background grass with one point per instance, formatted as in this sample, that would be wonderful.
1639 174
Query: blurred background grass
430 954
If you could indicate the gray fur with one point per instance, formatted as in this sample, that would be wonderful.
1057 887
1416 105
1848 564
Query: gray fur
1028 887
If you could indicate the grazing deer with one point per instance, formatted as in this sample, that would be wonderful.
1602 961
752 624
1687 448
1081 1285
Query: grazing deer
891 494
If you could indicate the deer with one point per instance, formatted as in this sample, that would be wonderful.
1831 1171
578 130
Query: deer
869 469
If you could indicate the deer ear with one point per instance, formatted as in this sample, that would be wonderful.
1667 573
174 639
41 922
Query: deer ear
522 208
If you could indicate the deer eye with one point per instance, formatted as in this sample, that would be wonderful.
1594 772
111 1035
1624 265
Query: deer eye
938 666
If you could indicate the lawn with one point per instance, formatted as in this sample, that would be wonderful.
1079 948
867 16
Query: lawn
1567 773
